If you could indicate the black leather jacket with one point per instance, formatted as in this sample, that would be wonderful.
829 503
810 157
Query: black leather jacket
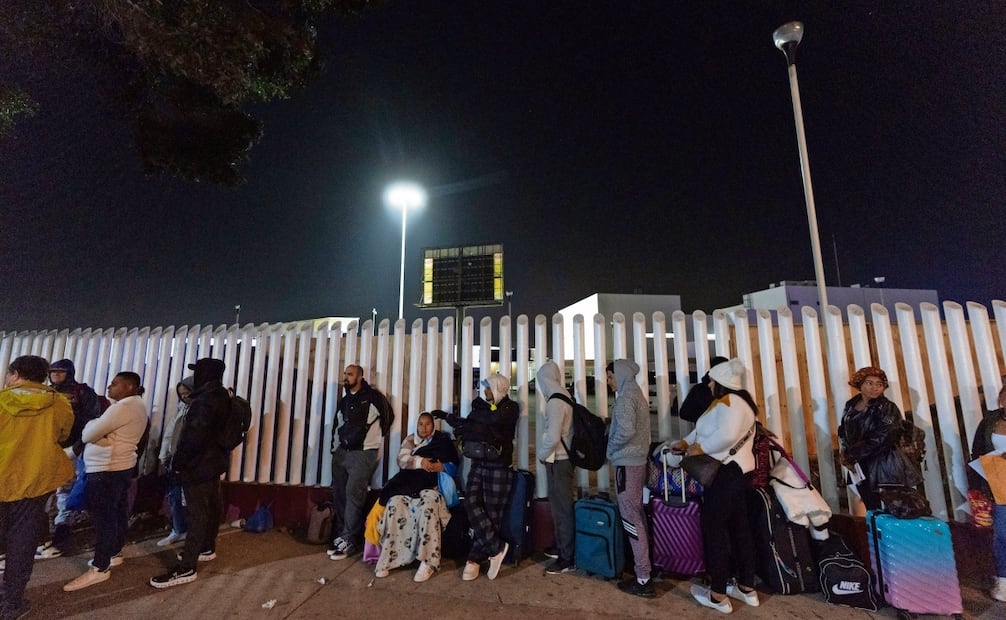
870 438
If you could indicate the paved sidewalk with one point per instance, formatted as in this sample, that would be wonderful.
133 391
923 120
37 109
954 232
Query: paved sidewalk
253 569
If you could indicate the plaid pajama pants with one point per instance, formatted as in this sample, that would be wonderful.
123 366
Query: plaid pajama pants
486 499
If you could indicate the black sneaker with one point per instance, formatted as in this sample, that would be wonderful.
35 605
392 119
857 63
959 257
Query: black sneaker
559 567
345 551
175 578
552 552
632 586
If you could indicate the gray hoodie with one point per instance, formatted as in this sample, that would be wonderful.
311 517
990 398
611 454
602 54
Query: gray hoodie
558 415
629 437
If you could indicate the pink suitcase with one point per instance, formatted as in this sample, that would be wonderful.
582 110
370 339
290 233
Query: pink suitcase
676 537
913 560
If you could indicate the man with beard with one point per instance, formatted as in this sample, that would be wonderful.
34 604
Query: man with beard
364 416
197 464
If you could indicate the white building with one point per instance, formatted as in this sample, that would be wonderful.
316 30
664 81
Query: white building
796 294
607 304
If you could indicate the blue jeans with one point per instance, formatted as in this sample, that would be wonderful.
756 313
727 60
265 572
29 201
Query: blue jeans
106 501
179 512
999 538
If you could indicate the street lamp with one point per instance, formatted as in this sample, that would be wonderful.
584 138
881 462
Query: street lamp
786 38
404 196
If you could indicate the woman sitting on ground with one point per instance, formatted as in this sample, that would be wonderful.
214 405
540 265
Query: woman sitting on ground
415 512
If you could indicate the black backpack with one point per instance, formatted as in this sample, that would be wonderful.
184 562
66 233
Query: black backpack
589 449
235 427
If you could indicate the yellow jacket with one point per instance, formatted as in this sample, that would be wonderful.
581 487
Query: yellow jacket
34 419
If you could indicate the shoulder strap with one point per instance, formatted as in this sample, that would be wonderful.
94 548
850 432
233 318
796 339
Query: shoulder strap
563 398
743 440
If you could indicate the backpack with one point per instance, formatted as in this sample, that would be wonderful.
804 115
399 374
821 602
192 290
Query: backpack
589 447
235 427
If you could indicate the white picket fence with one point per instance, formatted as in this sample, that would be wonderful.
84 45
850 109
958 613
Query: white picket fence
291 373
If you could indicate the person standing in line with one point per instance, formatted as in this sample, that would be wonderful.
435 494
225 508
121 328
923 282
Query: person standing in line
870 430
492 420
34 420
628 441
110 455
990 437
169 444
86 407
198 463
699 397
356 441
725 432
558 418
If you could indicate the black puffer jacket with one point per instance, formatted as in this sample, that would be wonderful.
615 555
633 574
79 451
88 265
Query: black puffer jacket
497 427
199 456
870 438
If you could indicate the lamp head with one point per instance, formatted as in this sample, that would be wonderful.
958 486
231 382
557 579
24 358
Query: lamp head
787 37
405 196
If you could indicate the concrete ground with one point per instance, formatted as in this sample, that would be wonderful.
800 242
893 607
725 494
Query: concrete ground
273 575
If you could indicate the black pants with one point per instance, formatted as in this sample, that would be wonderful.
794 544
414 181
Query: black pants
23 520
106 501
203 502
726 532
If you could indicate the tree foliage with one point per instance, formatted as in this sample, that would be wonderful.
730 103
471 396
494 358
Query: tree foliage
183 69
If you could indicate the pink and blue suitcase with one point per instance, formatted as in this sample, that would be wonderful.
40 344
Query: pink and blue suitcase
676 533
913 561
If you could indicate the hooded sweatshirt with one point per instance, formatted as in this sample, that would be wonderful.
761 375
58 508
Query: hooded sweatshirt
629 436
34 420
82 397
558 415
173 429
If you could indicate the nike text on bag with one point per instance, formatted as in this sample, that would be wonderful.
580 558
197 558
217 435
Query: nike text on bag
845 580
235 427
589 447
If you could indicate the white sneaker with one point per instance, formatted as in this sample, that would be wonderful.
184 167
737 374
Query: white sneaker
750 598
471 572
424 573
496 562
171 539
999 590
115 560
88 579
705 597
47 551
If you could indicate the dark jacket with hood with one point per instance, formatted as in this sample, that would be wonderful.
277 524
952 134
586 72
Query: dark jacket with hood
199 456
361 425
84 401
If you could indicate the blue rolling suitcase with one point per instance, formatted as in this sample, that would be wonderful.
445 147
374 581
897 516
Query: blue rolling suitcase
516 526
913 560
600 539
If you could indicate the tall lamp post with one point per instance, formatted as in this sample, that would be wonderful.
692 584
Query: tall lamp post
787 37
404 196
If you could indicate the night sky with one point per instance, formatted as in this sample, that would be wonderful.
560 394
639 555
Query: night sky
610 146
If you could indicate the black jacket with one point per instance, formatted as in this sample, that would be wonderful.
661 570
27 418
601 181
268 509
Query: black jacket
870 438
484 424
200 456
982 444
355 411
